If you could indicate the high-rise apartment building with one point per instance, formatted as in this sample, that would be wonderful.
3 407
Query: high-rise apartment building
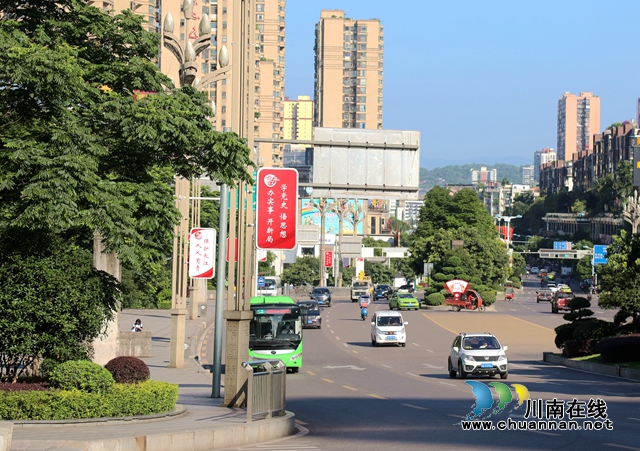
527 175
541 157
578 121
483 175
348 72
263 66
298 118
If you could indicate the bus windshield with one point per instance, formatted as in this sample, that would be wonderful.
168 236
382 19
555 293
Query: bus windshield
275 326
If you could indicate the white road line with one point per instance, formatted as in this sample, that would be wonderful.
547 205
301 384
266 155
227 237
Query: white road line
611 393
636 419
386 366
355 352
345 345
446 383
621 446
414 375
553 383
415 344
415 407
546 433
337 338
332 332
429 350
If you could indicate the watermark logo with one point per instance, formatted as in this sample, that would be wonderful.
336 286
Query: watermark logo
539 414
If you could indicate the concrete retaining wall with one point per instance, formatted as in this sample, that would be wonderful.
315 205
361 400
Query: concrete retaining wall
6 430
598 368
134 344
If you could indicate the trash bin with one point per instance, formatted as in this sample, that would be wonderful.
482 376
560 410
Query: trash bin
203 310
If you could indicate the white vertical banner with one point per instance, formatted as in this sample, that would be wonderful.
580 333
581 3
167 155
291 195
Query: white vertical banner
202 253
359 266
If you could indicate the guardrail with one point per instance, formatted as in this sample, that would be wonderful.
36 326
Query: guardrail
266 388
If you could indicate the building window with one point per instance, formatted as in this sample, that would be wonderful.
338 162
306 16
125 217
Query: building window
224 25
223 109
223 123
224 10
360 125
373 225
224 38
362 29
260 17
223 95
260 7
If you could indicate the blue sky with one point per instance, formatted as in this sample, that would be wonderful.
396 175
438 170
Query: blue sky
481 79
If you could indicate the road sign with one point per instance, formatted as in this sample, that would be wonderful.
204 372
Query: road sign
277 213
260 281
600 255
328 259
202 253
561 245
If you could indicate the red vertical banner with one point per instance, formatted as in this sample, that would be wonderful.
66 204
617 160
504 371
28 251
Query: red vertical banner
328 259
277 210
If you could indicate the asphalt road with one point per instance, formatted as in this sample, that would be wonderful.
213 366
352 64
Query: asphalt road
351 395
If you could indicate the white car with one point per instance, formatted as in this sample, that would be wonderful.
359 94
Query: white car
477 355
534 270
387 327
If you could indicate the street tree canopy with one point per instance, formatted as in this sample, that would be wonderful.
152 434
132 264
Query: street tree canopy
82 151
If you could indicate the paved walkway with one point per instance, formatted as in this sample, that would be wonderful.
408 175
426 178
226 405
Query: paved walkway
205 425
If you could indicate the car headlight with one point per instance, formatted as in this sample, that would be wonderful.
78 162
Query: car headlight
467 357
502 358
296 356
401 331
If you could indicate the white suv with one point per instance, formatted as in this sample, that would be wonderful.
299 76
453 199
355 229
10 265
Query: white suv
388 327
477 355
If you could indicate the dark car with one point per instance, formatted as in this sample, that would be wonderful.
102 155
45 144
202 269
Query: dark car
322 295
311 315
544 295
407 288
382 292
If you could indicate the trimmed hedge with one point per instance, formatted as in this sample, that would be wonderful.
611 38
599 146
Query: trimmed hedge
128 370
624 348
580 348
434 299
122 400
81 375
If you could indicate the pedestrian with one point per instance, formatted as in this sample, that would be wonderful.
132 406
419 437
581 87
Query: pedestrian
137 326
290 288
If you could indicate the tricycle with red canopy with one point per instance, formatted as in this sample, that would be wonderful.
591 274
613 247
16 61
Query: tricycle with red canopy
462 296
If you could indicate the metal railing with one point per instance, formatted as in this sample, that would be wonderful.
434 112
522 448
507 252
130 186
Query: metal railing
266 388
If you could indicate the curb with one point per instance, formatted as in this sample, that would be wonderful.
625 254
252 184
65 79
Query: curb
199 440
590 367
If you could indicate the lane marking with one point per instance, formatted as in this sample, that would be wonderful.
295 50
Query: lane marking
345 345
529 322
414 375
350 388
428 365
337 338
332 332
546 433
376 396
311 373
438 324
554 383
455 416
447 383
631 418
386 366
328 380
429 350
611 393
415 344
355 352
621 446
415 407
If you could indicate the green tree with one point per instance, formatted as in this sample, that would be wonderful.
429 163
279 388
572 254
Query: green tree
303 270
79 153
379 272
620 278
266 268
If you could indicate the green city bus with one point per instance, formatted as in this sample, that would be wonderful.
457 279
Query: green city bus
275 331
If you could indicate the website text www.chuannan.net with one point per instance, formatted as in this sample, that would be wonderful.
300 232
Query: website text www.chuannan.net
536 425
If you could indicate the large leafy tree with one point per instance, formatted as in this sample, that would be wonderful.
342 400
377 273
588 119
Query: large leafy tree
620 278
79 153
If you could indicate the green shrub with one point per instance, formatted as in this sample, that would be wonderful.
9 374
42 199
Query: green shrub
434 299
81 375
122 400
128 370
579 303
488 297
595 329
564 332
580 348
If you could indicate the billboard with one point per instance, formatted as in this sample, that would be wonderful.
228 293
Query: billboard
202 253
310 215
277 212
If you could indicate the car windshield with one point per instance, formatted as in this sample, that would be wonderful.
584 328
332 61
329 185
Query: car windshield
389 321
320 291
482 342
405 295
360 284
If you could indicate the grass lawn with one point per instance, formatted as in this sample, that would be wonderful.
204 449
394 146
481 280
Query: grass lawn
596 359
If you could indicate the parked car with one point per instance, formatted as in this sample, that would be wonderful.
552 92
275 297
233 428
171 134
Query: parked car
382 291
407 287
311 314
478 354
403 300
561 300
544 295
322 295
387 327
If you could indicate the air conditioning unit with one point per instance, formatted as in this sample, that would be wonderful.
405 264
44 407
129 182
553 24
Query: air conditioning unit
132 6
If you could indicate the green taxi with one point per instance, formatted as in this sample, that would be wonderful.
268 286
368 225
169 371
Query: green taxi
403 300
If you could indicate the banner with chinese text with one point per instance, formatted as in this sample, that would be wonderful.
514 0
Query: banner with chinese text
277 212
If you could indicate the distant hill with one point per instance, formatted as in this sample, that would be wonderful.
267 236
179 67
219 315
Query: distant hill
454 175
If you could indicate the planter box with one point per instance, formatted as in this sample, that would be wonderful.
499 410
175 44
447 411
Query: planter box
598 368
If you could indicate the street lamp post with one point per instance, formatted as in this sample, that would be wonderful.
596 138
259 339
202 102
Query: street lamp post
507 237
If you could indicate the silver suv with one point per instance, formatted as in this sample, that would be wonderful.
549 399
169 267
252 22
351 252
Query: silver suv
477 355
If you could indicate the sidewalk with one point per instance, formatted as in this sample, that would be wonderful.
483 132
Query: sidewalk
203 425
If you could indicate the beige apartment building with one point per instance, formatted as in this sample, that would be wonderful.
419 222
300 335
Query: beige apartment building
298 118
348 72
578 122
263 66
